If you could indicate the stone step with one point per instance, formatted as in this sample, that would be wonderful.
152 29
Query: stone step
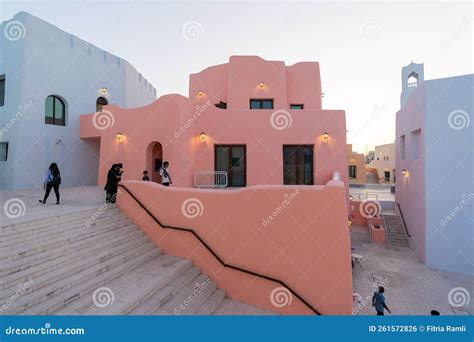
100 277
67 264
188 300
130 296
91 275
211 303
166 293
56 231
27 252
45 223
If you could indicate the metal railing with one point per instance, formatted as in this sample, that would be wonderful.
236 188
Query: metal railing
215 255
403 218
210 179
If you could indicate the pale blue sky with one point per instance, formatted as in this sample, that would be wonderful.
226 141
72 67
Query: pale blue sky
361 46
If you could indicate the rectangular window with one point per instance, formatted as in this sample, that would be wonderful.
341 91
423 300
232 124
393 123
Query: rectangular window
261 103
387 176
4 151
232 159
402 147
415 144
296 106
298 164
2 90
352 171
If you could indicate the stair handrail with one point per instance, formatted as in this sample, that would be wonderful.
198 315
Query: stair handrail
164 226
403 219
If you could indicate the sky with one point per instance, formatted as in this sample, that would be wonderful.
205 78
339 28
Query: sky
361 46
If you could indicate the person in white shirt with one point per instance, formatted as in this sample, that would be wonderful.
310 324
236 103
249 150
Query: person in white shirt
165 175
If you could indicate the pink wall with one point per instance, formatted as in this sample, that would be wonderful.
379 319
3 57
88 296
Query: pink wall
176 122
306 245
410 189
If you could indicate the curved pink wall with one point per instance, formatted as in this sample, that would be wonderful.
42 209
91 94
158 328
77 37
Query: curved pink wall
307 245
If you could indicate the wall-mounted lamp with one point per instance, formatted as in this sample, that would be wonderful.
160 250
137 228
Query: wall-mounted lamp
202 137
119 137
104 90
200 94
261 85
325 137
405 173
322 94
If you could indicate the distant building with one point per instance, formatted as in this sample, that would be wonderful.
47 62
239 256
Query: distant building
384 163
370 156
356 166
434 163
48 77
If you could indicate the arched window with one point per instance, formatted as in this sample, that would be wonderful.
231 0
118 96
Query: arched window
55 111
101 101
412 80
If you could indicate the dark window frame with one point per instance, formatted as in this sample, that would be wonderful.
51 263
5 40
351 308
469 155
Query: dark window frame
6 150
298 181
300 106
352 171
386 175
3 83
261 102
53 120
229 163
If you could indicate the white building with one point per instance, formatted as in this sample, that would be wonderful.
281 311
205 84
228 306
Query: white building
49 77
434 168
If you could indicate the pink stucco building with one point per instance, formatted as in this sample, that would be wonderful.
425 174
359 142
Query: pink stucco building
260 124
260 121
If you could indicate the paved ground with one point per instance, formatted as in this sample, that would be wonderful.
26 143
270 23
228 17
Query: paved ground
23 205
411 287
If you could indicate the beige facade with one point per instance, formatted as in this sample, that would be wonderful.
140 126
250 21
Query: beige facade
356 166
384 163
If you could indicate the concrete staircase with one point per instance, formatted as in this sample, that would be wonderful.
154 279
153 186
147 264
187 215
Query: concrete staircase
395 232
371 178
97 262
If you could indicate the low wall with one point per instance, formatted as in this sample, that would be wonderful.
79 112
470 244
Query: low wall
296 234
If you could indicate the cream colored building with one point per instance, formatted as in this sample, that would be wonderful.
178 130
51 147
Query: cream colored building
356 166
384 163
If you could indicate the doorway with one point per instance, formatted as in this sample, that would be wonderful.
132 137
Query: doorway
154 161
232 159
298 164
